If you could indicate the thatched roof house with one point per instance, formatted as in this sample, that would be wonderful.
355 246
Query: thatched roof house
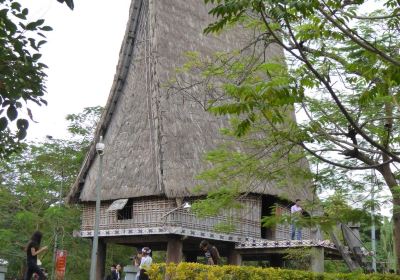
154 142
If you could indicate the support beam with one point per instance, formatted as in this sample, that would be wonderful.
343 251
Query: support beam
174 250
234 258
317 259
101 259
345 255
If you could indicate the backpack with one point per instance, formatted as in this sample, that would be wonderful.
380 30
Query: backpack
218 257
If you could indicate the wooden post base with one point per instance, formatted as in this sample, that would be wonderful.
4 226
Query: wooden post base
234 258
317 259
101 259
174 250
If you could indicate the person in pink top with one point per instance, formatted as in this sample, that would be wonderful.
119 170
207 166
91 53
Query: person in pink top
296 212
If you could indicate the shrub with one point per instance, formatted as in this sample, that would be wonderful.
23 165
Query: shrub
195 271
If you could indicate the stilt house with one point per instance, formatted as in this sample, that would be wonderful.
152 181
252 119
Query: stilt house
154 144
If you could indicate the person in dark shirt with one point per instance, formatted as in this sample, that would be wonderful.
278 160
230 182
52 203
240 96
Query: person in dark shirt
32 250
118 271
211 252
112 275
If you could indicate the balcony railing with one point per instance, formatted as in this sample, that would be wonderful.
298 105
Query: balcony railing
151 213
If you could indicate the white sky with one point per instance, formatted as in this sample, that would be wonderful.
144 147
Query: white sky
82 54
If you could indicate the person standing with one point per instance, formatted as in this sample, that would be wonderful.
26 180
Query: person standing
112 275
296 212
210 252
145 263
118 272
32 250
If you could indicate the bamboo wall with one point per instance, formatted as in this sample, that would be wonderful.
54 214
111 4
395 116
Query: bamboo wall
150 212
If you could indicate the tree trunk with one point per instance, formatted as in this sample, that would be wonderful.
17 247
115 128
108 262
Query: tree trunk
391 181
396 230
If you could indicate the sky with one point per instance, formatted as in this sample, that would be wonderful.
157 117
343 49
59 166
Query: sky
82 55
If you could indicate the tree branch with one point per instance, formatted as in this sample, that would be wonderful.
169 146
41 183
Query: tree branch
362 43
336 98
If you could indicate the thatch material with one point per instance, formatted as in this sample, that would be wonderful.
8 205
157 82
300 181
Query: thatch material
154 142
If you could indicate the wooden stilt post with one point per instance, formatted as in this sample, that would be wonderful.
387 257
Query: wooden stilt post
101 259
234 258
174 250
317 259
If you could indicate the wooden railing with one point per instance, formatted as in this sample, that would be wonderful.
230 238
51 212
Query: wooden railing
152 213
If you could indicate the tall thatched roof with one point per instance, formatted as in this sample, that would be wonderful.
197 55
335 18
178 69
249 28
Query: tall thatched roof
155 142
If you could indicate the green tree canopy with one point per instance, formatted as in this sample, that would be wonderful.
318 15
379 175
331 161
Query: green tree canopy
34 183
339 69
22 72
22 78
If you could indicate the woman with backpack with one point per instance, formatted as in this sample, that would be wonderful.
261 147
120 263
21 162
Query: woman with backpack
210 252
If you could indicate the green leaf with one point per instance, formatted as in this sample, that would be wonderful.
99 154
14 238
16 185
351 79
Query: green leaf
22 124
16 6
31 26
12 113
3 123
34 25
36 56
40 22
46 28
21 134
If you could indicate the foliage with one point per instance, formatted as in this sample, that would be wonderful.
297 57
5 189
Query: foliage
385 254
298 258
33 185
350 107
23 77
22 72
193 271
335 266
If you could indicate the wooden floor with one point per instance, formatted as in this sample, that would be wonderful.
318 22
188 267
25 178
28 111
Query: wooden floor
239 241
264 243
257 248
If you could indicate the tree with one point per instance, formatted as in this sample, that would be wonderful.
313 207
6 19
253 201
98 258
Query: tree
23 77
33 185
341 70
22 72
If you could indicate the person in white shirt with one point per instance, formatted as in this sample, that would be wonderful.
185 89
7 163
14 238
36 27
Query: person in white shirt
145 262
296 211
